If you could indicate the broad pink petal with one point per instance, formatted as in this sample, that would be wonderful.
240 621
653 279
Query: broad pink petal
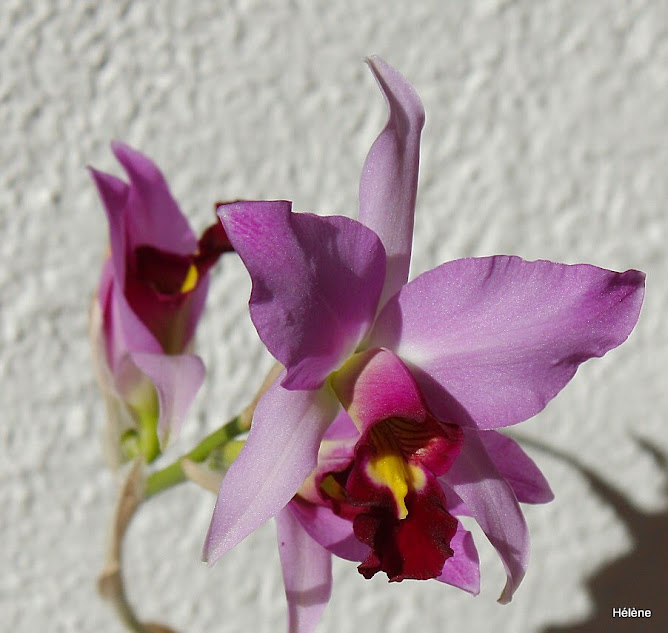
388 186
307 573
331 531
475 479
517 468
177 380
316 283
492 340
375 385
462 569
281 451
114 194
153 217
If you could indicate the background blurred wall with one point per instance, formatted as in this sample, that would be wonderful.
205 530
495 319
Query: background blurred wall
545 138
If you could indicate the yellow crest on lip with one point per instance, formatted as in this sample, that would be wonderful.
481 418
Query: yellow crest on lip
389 468
192 277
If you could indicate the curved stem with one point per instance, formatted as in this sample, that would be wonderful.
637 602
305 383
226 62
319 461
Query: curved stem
110 583
173 474
136 489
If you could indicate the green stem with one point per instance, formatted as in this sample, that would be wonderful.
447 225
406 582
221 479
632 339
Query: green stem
173 474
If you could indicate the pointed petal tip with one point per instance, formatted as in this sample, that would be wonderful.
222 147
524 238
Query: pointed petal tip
398 91
213 548
113 194
138 166
123 152
634 278
104 180
506 596
100 178
208 556
119 147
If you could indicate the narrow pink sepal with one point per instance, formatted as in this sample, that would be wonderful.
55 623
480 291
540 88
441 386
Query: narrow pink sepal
177 380
388 187
316 283
462 569
518 469
281 451
307 573
490 499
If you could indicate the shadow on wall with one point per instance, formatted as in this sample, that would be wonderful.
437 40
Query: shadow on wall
638 579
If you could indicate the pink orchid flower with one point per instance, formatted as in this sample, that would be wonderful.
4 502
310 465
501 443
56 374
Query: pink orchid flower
381 429
150 298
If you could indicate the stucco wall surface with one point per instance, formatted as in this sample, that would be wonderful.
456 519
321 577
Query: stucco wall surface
545 137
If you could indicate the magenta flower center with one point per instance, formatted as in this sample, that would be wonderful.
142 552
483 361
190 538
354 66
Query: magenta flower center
159 285
391 494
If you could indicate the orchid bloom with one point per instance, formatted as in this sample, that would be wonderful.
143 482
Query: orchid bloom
381 429
150 298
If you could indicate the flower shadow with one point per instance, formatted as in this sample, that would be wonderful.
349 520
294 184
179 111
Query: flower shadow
637 579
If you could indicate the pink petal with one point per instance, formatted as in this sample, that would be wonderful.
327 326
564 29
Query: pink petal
375 385
130 329
518 469
388 185
492 340
334 455
316 283
307 573
109 344
193 314
177 380
153 217
462 569
281 451
475 479
114 194
332 532
342 427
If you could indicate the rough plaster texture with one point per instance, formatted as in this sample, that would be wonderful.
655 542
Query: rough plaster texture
545 137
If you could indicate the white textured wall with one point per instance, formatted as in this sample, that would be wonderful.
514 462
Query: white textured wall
545 137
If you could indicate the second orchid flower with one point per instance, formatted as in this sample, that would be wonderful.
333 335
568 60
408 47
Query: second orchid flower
150 298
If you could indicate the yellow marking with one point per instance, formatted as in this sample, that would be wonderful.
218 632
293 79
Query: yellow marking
191 279
333 488
390 468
